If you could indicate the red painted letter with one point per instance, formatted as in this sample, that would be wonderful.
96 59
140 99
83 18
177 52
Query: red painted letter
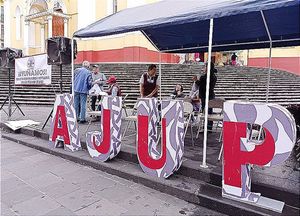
143 152
234 157
61 130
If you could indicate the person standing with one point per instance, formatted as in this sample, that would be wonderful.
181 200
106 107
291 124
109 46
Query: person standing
194 94
233 59
82 85
202 88
98 79
149 83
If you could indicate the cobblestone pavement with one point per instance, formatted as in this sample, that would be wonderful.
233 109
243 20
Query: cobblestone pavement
36 183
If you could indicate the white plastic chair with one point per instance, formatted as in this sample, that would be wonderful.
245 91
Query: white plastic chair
216 103
93 114
188 114
130 119
124 106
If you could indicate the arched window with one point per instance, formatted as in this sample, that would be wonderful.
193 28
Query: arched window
18 23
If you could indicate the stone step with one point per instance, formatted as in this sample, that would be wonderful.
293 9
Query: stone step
172 84
233 82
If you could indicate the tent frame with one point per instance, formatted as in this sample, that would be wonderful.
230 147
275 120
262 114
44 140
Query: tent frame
211 28
270 53
210 46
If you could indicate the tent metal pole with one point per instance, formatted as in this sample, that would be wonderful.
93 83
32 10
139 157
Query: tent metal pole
270 54
269 72
160 88
211 27
159 66
72 64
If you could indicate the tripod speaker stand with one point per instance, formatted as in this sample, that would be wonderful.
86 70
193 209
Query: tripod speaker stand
59 53
10 99
7 60
60 90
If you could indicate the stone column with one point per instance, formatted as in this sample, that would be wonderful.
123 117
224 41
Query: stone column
49 18
26 38
42 38
65 27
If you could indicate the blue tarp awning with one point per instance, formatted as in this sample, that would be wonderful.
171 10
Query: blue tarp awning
183 25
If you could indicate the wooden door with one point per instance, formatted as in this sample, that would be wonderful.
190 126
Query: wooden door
57 25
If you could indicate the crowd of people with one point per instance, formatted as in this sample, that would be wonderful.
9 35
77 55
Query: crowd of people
86 79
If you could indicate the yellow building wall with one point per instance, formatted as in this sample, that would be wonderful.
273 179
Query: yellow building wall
122 4
72 10
112 42
19 44
101 9
276 52
116 41
105 43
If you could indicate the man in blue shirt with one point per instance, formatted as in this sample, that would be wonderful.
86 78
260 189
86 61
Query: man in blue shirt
82 85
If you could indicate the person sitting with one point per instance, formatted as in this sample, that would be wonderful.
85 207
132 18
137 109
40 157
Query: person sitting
178 92
113 89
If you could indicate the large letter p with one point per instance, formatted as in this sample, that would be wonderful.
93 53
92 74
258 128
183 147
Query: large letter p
280 137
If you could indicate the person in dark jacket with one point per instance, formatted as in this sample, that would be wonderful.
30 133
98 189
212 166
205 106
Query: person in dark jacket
149 83
233 59
202 88
178 92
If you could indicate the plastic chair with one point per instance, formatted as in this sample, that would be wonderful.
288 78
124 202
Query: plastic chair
130 119
124 106
188 114
216 103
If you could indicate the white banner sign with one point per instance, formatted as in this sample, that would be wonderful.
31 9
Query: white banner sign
32 70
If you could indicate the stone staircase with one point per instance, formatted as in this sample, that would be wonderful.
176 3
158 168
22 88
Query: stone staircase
234 83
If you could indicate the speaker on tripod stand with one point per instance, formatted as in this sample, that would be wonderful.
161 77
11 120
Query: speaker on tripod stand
7 60
7 57
59 51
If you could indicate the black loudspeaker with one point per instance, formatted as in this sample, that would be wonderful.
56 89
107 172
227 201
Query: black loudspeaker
59 50
7 57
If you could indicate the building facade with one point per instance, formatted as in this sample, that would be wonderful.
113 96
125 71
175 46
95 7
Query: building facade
28 24
287 59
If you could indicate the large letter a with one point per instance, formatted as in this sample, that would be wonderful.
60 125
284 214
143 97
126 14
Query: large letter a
63 124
